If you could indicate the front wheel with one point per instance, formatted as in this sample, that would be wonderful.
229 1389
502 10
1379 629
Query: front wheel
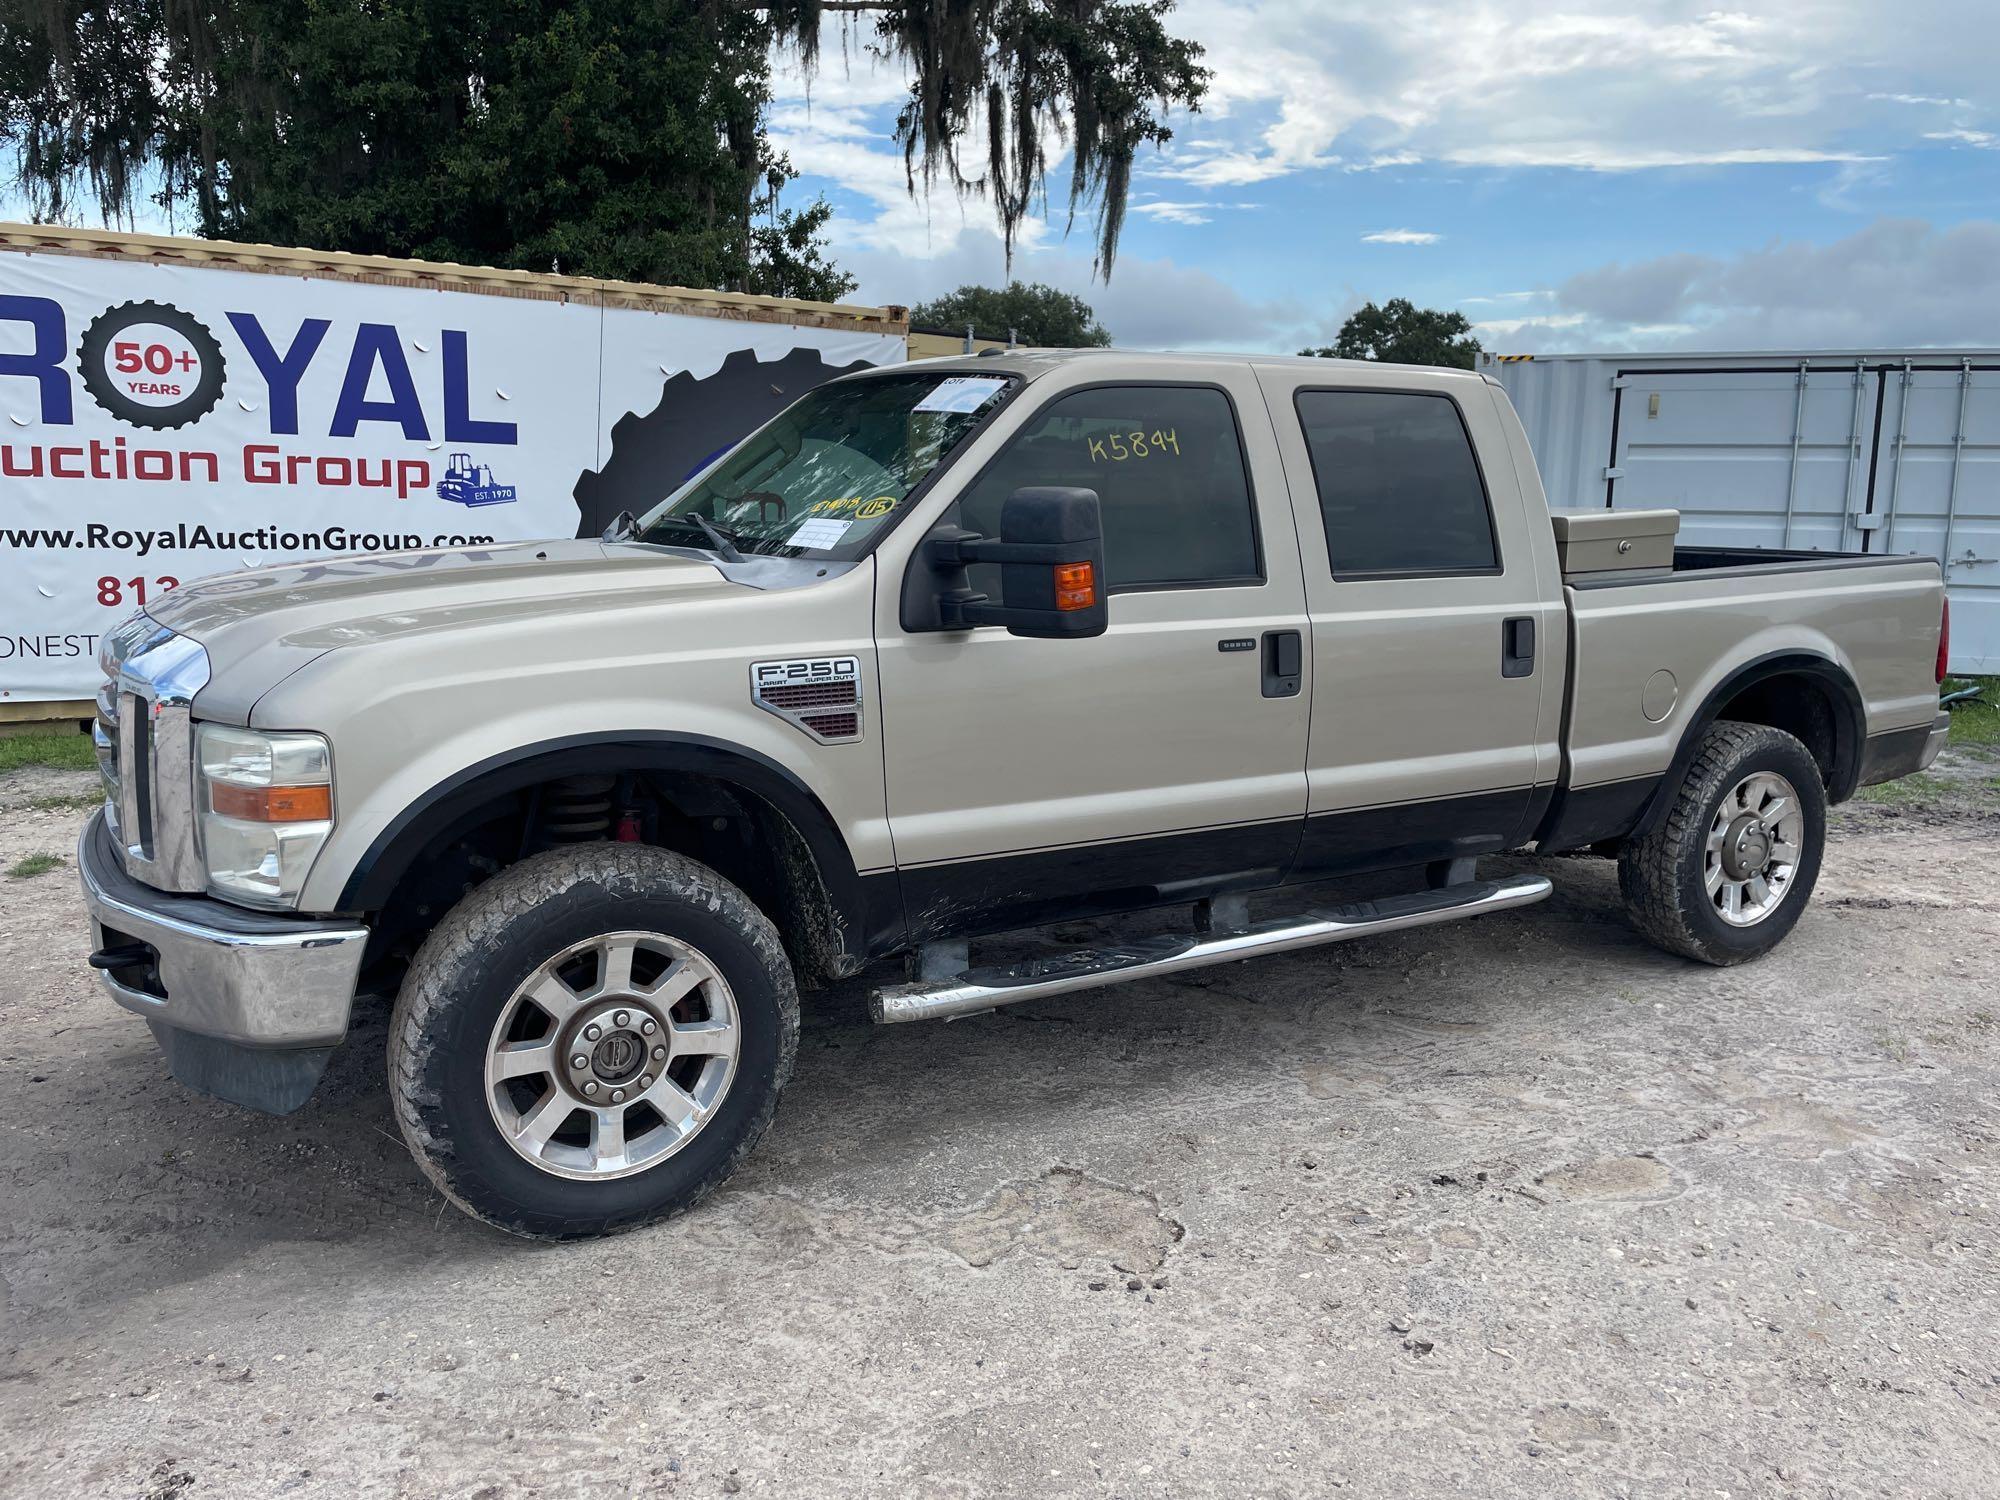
1725 875
592 1040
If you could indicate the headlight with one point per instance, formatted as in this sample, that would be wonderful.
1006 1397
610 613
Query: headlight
266 806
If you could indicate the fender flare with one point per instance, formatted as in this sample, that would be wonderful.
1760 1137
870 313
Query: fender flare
871 915
1850 725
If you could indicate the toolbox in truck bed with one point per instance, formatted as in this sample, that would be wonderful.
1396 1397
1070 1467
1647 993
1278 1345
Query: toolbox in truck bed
1604 541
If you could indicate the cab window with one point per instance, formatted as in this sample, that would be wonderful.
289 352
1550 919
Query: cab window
1167 465
1399 487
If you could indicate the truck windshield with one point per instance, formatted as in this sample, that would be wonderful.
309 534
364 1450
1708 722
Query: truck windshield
829 473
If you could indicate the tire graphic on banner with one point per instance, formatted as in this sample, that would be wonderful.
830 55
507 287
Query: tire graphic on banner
151 365
694 421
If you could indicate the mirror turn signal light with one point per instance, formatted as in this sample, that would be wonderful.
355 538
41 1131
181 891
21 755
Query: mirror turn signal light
1076 585
272 804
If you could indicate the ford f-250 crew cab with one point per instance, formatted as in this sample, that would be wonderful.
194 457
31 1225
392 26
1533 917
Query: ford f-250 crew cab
941 652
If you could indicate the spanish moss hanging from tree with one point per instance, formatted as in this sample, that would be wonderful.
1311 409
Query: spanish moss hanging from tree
603 137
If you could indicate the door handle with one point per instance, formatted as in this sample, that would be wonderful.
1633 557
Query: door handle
1517 646
1284 663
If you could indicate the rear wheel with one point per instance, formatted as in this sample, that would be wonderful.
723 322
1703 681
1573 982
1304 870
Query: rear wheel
1727 873
592 1040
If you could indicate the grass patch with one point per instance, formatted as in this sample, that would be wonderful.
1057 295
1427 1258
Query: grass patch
1894 1045
67 802
1919 790
62 752
34 864
1976 722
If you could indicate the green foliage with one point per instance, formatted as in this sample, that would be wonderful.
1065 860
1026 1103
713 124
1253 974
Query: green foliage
1398 332
616 138
1977 720
787 257
1040 315
63 751
602 138
34 864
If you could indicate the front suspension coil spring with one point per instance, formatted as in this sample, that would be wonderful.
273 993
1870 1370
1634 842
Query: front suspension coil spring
577 809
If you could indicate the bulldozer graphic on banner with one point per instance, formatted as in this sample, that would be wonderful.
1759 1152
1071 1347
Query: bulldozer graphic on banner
469 483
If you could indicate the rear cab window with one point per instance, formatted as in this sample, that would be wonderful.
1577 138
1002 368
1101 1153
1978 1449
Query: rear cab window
1168 466
1400 489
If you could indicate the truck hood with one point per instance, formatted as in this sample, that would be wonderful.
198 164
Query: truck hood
261 625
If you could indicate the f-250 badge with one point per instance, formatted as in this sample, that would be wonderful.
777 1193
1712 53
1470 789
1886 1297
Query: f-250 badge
819 694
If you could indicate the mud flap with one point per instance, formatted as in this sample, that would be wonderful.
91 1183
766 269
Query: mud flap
275 1080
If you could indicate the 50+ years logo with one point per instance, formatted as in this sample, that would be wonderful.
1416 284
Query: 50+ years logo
151 365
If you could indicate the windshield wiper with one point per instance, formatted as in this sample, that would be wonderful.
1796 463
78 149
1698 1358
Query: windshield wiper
719 539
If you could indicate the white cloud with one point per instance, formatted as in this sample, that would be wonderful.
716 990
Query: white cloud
1489 329
1985 140
1149 304
1921 99
1897 282
1600 85
1470 88
1598 158
1384 160
1230 169
1174 213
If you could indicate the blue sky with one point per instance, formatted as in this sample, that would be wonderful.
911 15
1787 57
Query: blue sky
1601 174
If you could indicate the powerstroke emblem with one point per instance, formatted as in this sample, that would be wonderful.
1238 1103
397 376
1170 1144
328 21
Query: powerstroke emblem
152 365
820 694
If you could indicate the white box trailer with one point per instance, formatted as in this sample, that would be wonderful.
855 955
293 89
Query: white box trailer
1835 451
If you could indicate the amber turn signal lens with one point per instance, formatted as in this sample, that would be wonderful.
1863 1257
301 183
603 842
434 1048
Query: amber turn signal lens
1076 585
272 804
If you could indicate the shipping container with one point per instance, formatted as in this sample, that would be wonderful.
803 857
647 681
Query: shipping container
1834 451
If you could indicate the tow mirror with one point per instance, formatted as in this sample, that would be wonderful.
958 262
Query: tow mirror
1051 558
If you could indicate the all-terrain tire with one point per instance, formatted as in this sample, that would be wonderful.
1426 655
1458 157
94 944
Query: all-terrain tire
470 968
1661 873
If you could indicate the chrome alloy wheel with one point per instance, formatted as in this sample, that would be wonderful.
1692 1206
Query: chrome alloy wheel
612 1055
1753 848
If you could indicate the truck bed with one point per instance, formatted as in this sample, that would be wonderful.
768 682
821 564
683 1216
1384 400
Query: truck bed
1745 561
1666 642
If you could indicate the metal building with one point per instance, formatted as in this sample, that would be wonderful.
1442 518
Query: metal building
1847 451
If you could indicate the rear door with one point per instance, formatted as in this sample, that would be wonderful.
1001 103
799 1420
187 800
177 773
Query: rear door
1437 644
1756 456
1155 763
1937 492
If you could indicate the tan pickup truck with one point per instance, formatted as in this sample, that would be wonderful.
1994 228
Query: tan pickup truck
944 651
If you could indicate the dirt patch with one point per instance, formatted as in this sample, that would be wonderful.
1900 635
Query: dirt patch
1071 1219
1518 1207
1620 1179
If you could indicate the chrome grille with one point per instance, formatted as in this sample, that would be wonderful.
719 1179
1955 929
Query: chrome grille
144 737
104 738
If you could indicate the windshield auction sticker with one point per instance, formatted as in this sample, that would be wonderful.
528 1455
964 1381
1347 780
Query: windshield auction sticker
821 532
962 393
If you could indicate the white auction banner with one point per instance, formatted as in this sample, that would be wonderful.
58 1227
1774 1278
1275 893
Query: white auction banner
163 422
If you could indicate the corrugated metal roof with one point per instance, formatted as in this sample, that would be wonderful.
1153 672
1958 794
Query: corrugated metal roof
386 270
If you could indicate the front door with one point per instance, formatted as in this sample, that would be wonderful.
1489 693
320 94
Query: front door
1029 779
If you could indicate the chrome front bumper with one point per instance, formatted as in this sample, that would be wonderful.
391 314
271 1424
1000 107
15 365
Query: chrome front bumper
250 979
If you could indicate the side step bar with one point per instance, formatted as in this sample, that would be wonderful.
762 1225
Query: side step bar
986 989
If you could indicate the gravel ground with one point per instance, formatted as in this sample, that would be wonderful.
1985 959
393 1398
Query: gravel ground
1514 1207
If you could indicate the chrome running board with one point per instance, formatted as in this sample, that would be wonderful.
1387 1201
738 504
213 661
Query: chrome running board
986 989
